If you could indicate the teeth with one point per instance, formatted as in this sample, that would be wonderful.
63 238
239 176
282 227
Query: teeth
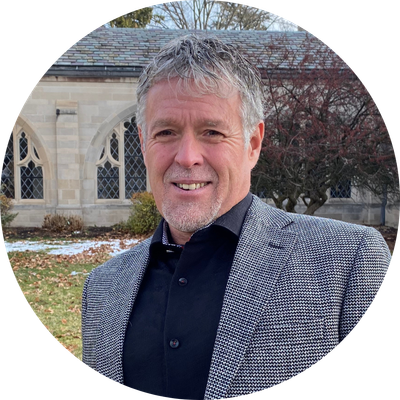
192 186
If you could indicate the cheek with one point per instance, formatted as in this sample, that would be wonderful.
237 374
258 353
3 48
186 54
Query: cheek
157 162
226 169
236 170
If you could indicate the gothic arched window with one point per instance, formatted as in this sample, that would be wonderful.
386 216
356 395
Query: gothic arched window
120 168
7 174
22 174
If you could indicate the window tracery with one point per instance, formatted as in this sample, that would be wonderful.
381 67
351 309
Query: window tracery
22 174
120 168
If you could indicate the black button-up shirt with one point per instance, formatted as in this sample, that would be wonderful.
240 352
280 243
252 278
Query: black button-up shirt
172 328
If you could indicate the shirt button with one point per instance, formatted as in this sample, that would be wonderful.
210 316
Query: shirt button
174 343
182 281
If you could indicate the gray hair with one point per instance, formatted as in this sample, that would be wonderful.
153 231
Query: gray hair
205 65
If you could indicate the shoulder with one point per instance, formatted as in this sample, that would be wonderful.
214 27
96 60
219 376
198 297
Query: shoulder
311 226
330 247
317 231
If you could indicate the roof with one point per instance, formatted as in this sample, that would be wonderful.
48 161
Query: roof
126 51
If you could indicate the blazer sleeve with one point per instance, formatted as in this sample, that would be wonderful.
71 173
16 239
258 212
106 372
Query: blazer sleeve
95 291
87 350
369 268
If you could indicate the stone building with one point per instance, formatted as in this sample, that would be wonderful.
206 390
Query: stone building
75 149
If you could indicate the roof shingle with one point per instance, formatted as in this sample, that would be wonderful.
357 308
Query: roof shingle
130 50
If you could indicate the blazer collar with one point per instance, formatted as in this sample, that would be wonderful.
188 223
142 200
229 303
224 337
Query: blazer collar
263 250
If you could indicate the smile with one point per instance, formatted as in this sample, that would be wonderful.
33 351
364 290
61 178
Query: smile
190 186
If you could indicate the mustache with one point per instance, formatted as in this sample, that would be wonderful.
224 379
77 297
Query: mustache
202 173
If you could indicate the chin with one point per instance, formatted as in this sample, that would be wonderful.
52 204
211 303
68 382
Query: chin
190 217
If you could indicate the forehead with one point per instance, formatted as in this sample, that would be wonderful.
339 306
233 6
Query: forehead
169 98
198 87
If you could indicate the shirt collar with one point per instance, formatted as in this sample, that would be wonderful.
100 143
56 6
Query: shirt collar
231 220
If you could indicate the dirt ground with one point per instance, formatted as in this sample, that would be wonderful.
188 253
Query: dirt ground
388 233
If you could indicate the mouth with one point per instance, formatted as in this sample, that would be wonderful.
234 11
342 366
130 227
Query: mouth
191 186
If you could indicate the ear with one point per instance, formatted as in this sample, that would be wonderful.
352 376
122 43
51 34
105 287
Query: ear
255 144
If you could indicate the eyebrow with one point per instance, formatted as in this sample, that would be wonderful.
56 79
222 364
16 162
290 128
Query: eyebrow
163 122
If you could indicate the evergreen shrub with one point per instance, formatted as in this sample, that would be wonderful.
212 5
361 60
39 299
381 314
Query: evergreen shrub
5 206
144 217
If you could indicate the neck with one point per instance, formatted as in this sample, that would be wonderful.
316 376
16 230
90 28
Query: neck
179 237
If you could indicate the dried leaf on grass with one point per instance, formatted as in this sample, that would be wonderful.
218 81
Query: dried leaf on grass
54 293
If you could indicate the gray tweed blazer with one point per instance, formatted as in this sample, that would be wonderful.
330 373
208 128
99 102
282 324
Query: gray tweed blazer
298 285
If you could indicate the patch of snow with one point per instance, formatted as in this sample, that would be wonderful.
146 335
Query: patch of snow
73 273
71 248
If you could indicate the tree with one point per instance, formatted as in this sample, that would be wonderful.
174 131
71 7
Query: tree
194 14
322 129
240 17
135 19
202 14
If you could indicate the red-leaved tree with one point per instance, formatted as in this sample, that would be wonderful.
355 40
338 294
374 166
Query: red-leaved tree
322 128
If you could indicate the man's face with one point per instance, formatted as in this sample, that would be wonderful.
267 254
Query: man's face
195 155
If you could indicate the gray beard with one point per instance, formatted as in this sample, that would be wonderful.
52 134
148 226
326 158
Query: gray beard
184 218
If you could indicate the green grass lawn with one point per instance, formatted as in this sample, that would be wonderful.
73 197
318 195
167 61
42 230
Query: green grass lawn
53 293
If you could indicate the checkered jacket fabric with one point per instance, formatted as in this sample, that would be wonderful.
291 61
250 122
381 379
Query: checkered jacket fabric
298 285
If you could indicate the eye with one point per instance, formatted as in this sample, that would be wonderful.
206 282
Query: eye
163 133
213 133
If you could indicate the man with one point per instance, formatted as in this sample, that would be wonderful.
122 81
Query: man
229 296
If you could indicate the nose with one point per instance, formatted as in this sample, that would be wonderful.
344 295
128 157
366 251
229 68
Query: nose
189 151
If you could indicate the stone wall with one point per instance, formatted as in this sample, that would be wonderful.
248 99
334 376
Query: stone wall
69 119
363 209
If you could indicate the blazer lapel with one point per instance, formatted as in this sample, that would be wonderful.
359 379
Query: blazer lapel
262 251
116 313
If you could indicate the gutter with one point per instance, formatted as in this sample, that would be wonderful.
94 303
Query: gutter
95 71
